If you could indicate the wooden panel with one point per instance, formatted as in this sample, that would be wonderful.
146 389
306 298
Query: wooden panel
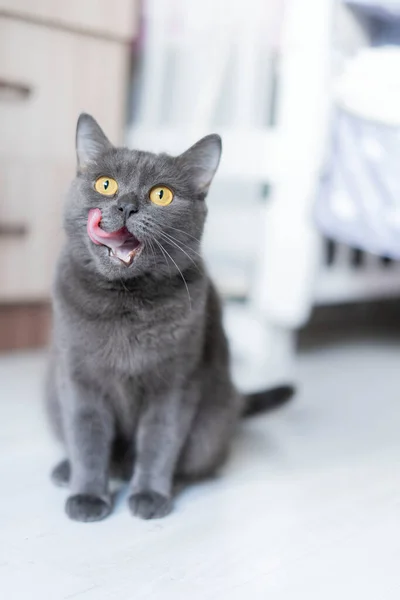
24 326
66 74
114 20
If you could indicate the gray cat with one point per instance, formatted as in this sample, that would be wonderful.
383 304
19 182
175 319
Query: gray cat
139 381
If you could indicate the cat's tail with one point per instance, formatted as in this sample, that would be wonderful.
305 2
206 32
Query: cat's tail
267 400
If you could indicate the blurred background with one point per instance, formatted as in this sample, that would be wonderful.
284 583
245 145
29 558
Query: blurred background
304 213
303 242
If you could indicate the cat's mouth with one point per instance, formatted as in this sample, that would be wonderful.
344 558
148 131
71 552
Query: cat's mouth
122 245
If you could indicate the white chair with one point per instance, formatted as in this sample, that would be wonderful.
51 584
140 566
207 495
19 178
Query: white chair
222 65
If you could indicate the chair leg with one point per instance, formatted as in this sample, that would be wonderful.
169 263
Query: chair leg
289 257
262 353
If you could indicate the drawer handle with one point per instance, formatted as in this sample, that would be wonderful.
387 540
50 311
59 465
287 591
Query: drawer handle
8 230
11 91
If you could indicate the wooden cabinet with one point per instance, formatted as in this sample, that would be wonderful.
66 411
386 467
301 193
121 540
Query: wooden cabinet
53 65
104 18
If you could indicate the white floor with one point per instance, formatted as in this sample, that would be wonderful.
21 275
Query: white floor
307 508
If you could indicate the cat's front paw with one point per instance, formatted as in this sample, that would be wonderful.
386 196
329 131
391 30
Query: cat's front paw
149 505
86 508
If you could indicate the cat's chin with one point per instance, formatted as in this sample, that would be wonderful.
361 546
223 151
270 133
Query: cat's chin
106 262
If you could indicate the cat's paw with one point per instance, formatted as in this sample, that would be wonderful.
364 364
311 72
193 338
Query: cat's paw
61 473
86 508
149 505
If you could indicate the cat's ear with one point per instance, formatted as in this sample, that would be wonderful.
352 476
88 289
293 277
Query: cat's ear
202 160
90 140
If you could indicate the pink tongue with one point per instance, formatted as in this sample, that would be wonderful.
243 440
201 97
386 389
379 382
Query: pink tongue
122 243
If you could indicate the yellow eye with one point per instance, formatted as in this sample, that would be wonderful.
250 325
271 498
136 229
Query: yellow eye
161 195
106 186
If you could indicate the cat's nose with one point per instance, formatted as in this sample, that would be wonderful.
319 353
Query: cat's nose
128 208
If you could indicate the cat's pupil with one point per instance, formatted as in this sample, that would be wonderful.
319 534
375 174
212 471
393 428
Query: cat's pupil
106 184
161 194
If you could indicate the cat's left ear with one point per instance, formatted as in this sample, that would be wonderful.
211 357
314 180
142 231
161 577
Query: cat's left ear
201 161
91 141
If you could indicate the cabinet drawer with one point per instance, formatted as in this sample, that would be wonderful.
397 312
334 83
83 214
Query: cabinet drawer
98 17
30 226
46 79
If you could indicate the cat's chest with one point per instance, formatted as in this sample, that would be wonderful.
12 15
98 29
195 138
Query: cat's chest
137 341
129 332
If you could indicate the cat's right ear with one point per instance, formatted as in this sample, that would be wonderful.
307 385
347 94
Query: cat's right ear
90 140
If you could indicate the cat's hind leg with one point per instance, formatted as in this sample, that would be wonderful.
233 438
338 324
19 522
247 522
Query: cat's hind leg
209 440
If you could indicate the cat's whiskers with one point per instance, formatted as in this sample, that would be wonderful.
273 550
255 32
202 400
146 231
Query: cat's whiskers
170 241
164 255
183 243
148 244
148 225
180 272
155 254
185 233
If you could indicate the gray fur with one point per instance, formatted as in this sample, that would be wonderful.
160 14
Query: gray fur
139 374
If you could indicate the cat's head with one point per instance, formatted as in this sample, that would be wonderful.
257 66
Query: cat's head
131 212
